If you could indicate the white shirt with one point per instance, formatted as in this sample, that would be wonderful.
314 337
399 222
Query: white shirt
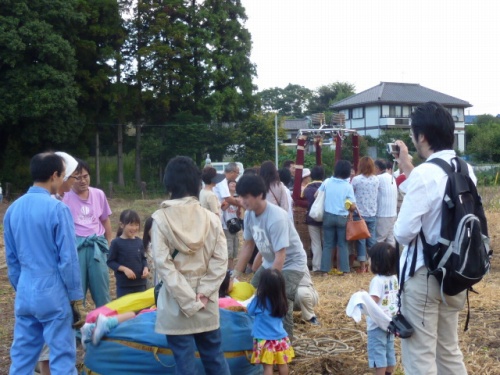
387 196
221 190
421 208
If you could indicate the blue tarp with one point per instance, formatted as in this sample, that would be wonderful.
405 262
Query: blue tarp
134 348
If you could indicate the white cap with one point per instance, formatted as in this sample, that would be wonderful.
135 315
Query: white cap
70 162
306 172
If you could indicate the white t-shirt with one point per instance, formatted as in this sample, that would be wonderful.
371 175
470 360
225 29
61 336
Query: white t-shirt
272 231
386 289
387 197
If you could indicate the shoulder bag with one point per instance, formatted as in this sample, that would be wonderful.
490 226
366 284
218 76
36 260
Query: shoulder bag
356 229
318 207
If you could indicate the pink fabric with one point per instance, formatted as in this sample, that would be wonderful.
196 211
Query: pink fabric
104 310
88 213
226 302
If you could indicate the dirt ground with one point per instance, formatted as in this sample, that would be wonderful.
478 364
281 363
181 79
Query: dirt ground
338 346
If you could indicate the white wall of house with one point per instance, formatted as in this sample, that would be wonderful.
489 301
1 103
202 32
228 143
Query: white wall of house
370 119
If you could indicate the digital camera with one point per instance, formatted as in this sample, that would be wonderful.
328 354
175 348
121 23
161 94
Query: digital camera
392 148
400 327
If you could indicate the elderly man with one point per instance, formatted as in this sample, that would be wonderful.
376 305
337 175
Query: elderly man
90 210
43 269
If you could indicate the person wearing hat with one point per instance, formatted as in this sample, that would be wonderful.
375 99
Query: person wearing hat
70 165
208 199
70 169
306 179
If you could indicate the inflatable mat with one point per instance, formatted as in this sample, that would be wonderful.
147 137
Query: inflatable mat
134 348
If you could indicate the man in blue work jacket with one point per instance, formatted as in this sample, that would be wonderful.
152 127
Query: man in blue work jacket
43 268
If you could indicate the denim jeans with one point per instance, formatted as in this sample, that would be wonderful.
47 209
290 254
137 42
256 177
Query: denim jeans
363 245
209 346
333 236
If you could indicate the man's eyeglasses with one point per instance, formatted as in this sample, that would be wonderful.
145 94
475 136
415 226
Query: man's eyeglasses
79 178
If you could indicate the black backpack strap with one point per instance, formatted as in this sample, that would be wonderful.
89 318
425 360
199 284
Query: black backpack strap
402 275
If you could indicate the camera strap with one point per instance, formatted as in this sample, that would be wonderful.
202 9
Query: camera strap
402 275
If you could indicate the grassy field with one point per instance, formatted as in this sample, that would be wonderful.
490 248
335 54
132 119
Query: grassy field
339 345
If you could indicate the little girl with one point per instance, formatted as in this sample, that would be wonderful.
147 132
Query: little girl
271 345
383 289
126 256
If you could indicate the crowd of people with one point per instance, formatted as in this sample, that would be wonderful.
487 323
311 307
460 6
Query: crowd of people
59 245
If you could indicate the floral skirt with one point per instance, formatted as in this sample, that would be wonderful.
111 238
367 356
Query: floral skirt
272 352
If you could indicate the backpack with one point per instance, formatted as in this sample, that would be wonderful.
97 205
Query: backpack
462 254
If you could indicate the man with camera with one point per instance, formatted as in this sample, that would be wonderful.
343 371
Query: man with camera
433 347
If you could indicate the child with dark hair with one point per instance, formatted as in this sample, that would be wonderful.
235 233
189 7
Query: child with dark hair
271 343
126 256
383 290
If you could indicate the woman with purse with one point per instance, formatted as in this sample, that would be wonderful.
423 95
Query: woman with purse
365 186
337 190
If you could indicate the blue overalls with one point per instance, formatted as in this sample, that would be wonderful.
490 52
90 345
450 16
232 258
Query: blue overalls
43 268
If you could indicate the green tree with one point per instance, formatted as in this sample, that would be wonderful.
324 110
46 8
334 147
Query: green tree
255 140
293 100
324 96
37 75
229 69
484 146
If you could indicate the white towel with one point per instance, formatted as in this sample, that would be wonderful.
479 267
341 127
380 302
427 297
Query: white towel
363 303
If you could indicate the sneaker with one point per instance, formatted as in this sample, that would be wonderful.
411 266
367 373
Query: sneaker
336 272
314 321
86 332
101 328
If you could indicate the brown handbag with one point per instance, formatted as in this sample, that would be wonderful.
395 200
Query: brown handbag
356 229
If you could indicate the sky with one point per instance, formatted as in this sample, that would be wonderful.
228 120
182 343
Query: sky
451 46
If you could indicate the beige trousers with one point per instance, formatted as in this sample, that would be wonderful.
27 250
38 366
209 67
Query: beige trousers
433 347
305 300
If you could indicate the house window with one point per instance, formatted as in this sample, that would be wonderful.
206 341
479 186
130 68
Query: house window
357 112
345 112
457 114
406 111
385 111
395 111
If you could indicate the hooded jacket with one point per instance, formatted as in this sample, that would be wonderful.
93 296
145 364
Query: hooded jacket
199 266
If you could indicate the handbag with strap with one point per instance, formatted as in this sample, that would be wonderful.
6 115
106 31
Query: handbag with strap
356 229
318 207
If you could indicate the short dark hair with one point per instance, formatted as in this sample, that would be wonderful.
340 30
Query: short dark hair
436 124
207 174
82 164
182 178
285 176
288 163
384 259
381 164
253 185
318 173
342 169
43 166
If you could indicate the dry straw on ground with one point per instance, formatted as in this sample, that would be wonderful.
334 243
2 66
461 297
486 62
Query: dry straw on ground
338 346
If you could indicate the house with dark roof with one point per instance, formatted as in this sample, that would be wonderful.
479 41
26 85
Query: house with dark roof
389 105
292 127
